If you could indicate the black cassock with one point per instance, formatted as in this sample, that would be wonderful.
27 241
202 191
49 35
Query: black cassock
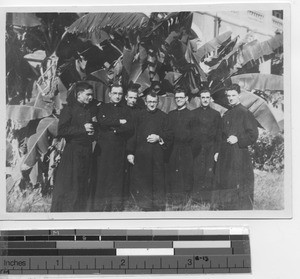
180 162
108 190
235 177
71 190
147 185
206 142
135 110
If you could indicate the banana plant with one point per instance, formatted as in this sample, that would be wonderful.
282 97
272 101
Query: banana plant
161 47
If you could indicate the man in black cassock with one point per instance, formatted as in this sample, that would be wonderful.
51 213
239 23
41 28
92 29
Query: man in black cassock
134 104
71 190
146 151
180 162
235 177
206 145
114 127
133 99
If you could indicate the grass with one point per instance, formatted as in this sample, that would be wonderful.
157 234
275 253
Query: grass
268 191
268 195
28 200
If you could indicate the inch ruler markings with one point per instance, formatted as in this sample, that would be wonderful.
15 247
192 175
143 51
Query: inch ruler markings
125 251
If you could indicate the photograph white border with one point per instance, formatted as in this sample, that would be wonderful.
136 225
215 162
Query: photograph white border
274 242
188 215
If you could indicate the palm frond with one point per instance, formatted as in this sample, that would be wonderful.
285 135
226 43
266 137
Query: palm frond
96 21
259 81
22 114
38 143
261 111
212 45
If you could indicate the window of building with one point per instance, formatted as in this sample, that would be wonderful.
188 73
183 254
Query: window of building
278 13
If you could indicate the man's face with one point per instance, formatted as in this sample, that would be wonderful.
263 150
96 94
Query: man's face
205 99
233 97
151 103
85 96
180 99
116 94
131 98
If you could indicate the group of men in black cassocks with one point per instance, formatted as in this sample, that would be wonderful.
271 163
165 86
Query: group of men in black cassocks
129 151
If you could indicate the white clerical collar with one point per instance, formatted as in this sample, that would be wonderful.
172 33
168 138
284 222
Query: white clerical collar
182 108
235 104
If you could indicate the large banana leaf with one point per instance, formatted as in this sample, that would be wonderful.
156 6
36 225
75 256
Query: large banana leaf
22 114
40 100
242 54
166 103
260 110
212 45
274 42
38 143
23 19
191 58
255 50
143 78
93 22
259 81
128 58
172 77
40 107
172 20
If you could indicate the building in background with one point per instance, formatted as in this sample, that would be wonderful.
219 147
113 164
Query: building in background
253 25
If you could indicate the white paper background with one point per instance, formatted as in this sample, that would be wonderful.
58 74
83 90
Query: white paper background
275 244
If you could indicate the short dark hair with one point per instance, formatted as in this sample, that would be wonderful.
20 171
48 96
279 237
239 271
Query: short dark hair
204 91
81 86
152 94
115 84
235 87
180 90
135 90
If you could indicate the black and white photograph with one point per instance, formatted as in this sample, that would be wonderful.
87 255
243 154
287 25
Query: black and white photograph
141 111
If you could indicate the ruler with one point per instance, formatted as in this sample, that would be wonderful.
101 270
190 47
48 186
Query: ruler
161 251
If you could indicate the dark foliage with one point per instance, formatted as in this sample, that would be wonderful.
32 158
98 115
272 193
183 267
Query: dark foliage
268 152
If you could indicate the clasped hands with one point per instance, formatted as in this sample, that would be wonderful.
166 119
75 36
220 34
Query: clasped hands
232 139
153 138
89 128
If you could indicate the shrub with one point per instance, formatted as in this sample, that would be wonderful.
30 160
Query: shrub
268 152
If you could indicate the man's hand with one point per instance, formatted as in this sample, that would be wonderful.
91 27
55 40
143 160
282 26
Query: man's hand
130 159
232 139
89 128
153 138
216 157
123 121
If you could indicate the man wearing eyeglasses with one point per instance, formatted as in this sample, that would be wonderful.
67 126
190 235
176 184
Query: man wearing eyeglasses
180 161
114 127
206 145
146 151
